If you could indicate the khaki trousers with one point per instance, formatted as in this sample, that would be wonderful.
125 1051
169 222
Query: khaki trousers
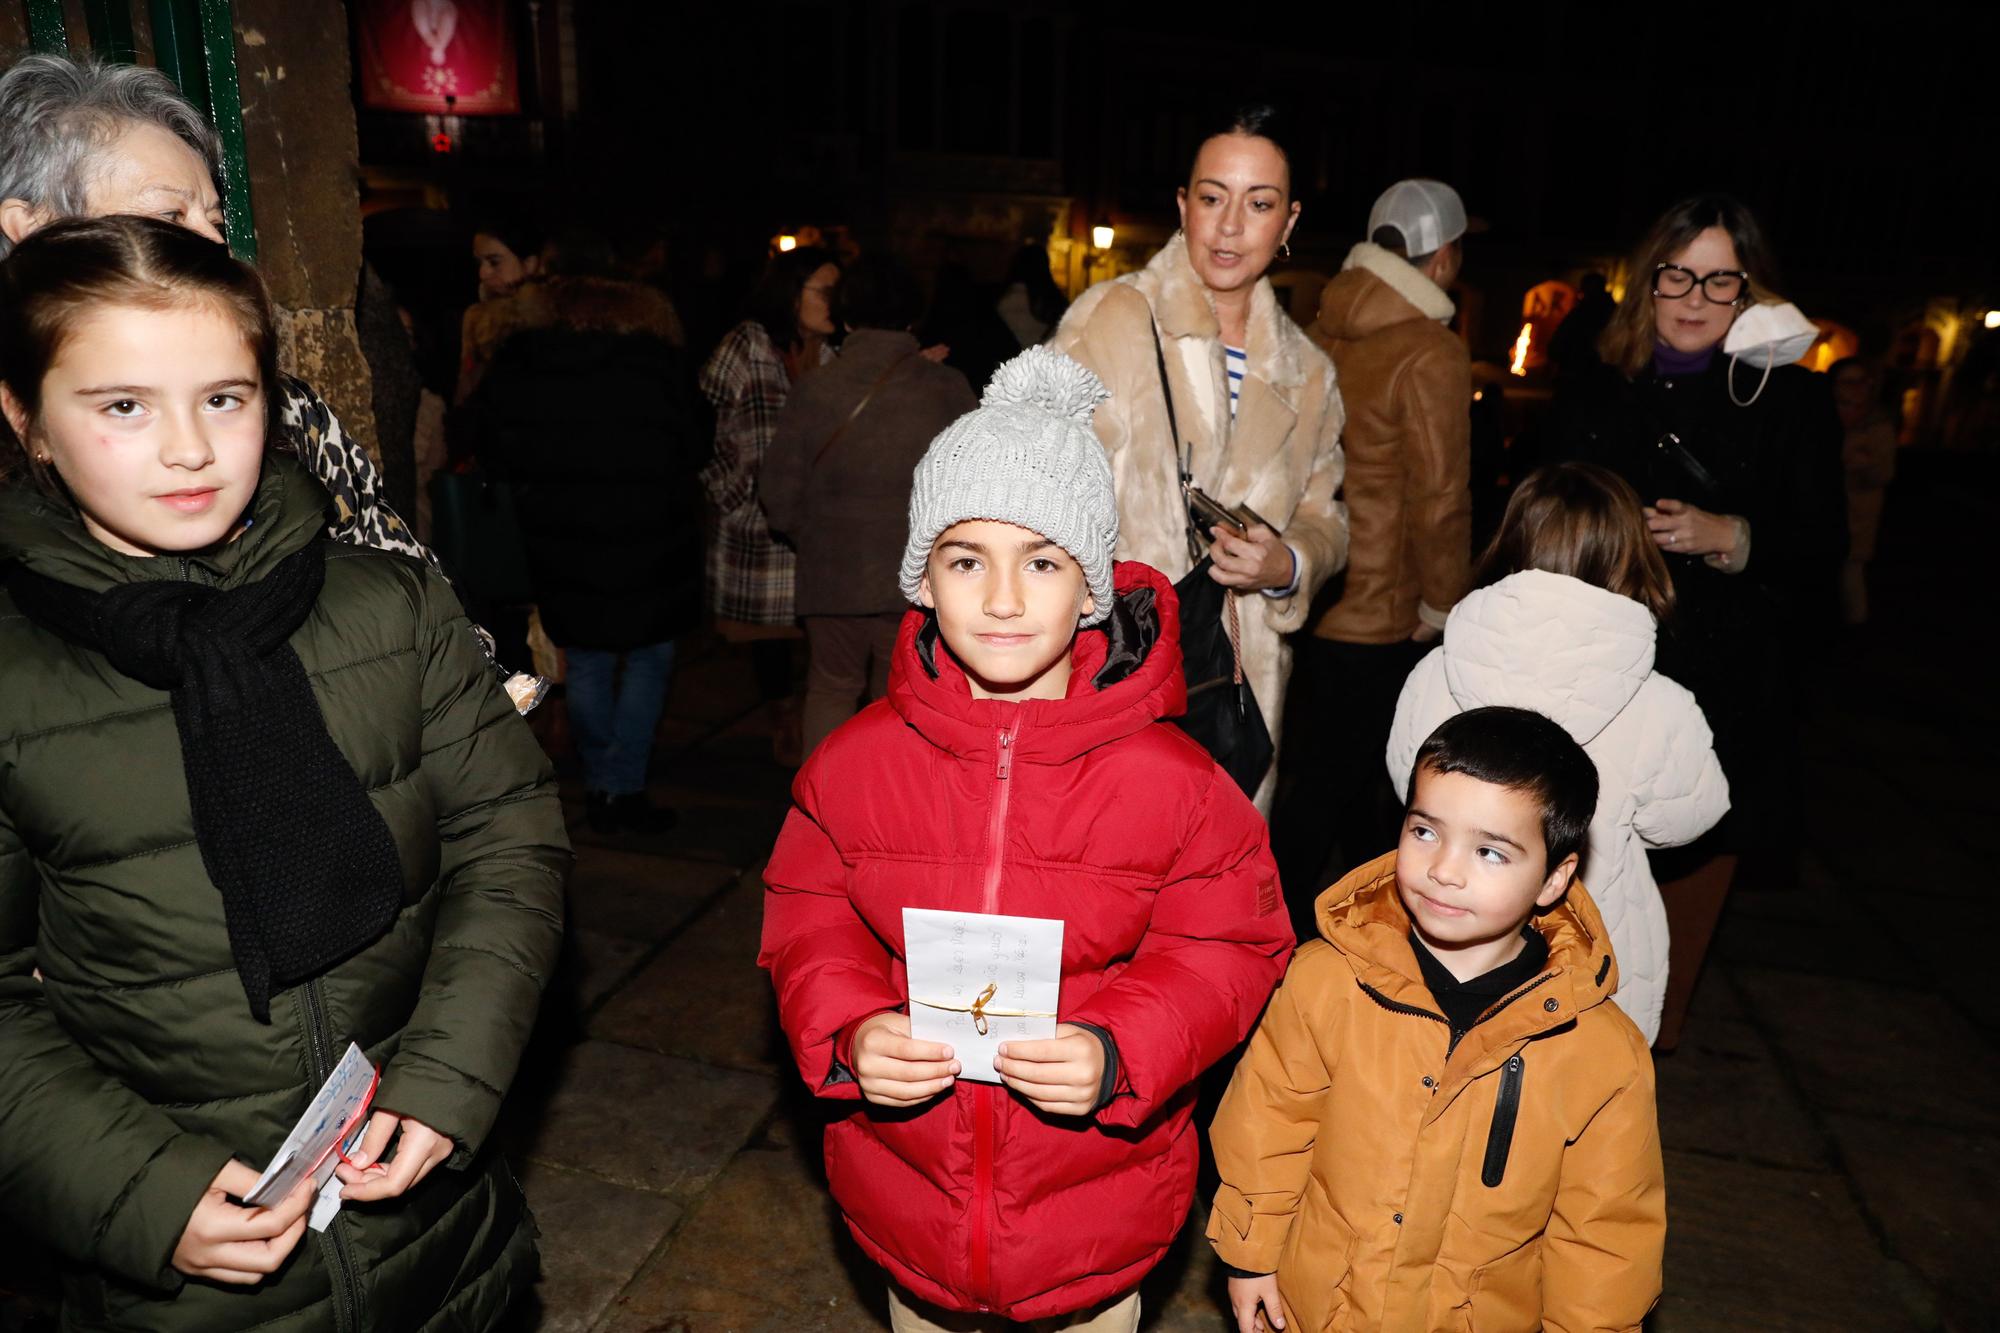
907 1314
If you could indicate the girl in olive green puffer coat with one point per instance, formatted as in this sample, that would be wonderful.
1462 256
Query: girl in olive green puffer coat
260 796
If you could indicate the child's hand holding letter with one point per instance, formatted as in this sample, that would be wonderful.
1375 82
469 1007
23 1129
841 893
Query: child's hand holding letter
1060 1075
895 1069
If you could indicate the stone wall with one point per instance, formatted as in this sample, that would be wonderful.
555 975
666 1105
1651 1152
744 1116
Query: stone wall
298 123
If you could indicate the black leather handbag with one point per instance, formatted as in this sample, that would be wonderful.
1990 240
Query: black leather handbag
1222 713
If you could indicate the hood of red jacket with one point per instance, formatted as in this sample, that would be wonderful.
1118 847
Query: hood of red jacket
1048 731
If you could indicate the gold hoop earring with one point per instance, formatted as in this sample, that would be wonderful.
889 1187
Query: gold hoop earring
1284 250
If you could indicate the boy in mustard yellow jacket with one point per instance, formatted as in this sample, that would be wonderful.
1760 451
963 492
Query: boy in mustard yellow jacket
1442 1121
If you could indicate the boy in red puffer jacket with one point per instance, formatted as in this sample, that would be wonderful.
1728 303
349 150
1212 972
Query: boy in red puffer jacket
1020 766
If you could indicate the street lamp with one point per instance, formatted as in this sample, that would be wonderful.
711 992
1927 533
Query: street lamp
1102 237
1993 319
787 242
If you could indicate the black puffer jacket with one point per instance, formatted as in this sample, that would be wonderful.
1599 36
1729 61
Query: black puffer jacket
583 411
133 1068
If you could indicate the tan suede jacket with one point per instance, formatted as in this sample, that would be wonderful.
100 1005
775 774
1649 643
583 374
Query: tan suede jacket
1407 382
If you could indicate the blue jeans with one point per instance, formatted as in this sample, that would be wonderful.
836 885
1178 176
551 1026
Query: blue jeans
614 717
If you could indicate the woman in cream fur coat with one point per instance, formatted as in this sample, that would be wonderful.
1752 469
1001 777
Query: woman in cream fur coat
1275 447
1581 653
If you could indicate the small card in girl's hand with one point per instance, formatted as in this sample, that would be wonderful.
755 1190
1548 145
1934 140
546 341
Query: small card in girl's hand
331 1125
977 980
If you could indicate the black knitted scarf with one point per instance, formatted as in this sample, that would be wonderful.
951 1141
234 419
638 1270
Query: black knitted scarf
307 867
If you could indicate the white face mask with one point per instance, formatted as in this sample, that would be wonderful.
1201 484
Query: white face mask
1767 334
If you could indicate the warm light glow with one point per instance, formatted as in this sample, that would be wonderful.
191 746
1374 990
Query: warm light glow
1101 237
1520 365
788 242
1993 319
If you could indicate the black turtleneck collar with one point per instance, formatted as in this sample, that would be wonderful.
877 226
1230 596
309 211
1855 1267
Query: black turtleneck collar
1462 1002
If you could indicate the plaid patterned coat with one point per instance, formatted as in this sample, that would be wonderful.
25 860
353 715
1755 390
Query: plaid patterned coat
750 573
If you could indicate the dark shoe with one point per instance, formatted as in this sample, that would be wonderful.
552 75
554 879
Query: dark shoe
635 814
599 813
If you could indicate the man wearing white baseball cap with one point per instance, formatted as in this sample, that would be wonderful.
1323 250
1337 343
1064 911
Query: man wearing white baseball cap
1427 217
1406 379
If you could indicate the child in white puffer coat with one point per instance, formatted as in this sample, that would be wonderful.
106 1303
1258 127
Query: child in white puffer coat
1562 618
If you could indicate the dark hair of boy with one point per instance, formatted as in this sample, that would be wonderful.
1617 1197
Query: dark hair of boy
878 291
1519 749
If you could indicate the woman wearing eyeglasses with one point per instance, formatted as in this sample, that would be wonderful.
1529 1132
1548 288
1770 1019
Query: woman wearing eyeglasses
1741 478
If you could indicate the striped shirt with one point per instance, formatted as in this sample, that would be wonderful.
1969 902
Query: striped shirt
1238 362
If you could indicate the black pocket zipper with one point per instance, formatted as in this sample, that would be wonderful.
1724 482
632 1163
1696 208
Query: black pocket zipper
1506 1109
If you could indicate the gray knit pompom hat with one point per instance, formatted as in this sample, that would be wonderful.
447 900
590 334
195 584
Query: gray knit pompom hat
1026 455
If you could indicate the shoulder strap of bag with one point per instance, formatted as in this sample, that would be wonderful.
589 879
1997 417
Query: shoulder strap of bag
1167 392
1183 455
861 406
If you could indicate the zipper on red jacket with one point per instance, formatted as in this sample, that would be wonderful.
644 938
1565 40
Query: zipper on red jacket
980 1251
986 1112
996 829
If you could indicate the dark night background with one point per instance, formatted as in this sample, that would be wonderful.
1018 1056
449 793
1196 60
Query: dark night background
1861 134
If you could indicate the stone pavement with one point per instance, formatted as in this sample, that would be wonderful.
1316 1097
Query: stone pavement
1831 1121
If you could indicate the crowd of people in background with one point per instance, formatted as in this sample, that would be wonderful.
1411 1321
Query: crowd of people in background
1348 441
1193 467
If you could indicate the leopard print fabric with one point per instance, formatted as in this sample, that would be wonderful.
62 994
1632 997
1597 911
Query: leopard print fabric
361 516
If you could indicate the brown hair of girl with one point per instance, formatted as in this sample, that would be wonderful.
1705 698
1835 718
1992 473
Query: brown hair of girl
1580 520
56 278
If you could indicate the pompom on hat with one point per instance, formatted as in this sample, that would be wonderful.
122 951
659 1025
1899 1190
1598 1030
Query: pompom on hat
1027 456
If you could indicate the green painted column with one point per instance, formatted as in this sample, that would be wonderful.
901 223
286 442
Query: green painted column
110 23
194 42
225 107
177 47
45 27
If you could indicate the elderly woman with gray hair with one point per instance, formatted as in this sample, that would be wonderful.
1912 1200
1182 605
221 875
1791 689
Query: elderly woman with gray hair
82 138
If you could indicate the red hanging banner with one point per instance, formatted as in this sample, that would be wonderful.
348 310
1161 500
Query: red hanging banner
415 53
